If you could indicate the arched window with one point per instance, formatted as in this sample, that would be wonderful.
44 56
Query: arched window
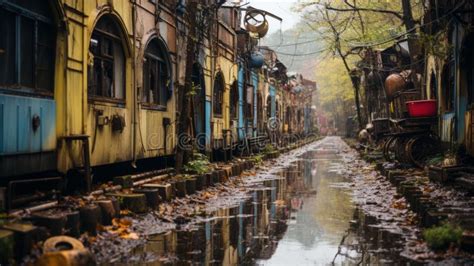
234 100
106 77
218 95
156 74
269 106
27 46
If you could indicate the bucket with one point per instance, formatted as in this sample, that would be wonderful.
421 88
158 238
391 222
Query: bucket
422 108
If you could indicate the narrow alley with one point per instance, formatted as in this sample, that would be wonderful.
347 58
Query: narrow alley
317 205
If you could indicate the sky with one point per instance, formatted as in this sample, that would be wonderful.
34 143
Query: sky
279 8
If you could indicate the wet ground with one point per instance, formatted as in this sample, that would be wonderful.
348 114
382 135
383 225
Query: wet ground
314 206
320 219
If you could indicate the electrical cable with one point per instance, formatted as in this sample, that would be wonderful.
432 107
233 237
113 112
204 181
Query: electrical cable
305 54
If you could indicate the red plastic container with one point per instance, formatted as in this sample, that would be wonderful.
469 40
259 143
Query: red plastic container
422 108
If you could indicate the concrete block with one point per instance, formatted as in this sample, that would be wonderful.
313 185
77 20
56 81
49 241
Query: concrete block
164 190
90 217
152 195
25 235
135 202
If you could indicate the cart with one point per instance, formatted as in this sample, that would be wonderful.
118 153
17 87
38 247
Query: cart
411 140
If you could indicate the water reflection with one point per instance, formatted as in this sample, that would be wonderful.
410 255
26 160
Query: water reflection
235 235
320 215
297 217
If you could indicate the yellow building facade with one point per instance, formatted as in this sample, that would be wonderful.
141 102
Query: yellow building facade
116 66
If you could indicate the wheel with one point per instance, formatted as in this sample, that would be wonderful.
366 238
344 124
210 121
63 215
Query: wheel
418 148
400 154
388 148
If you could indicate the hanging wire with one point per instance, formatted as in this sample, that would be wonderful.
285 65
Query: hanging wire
305 54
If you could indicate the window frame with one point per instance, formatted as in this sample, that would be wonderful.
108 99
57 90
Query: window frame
20 15
218 95
116 39
269 106
161 61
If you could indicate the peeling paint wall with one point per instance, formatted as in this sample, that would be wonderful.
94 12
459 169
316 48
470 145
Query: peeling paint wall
79 112
154 138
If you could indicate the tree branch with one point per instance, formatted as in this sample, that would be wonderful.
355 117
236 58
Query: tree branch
363 9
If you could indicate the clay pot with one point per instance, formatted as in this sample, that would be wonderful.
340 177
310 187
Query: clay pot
393 84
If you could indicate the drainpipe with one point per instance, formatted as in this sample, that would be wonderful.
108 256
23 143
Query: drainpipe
177 66
240 87
134 87
213 58
85 68
255 79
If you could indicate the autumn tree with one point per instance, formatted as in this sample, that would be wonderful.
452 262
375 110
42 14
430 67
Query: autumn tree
349 26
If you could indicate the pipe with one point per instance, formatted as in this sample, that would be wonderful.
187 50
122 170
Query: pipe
152 173
105 190
135 184
162 172
152 179
35 208
134 87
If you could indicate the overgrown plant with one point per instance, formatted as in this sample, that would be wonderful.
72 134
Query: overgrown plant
269 148
198 165
257 159
441 237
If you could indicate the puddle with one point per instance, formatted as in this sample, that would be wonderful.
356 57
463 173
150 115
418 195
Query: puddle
302 215
322 219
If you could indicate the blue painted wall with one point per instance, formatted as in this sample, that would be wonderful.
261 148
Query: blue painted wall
255 87
17 135
240 83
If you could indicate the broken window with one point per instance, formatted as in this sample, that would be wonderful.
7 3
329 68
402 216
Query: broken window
27 47
156 75
106 77
218 95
